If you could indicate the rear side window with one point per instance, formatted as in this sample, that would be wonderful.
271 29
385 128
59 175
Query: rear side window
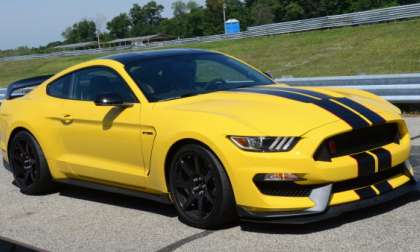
87 84
91 82
60 88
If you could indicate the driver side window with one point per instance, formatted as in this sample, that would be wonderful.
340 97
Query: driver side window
207 70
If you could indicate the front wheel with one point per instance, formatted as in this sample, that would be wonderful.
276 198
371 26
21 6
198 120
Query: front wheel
200 188
29 166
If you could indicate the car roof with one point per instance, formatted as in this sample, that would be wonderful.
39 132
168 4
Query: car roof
127 58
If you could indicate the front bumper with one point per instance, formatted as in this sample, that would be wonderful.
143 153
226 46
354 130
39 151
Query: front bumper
323 209
242 168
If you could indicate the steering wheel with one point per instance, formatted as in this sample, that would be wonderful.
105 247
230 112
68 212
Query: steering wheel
214 84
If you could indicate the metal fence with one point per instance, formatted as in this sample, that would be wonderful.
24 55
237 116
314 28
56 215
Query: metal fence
2 93
350 19
398 88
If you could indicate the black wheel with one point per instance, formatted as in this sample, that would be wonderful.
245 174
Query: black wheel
27 161
200 188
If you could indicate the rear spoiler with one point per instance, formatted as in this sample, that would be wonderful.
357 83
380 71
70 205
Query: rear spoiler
21 87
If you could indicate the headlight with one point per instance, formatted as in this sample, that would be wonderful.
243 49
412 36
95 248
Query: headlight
265 144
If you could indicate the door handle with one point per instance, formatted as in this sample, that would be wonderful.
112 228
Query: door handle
66 119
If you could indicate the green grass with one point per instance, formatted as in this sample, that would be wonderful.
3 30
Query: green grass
371 49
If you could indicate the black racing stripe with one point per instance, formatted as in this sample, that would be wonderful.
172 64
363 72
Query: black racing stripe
365 164
384 158
351 118
369 114
366 112
383 187
366 192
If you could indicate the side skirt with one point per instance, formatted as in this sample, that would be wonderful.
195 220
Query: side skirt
162 198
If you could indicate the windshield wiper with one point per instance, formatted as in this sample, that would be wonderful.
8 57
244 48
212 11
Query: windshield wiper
243 86
198 93
184 96
190 94
203 92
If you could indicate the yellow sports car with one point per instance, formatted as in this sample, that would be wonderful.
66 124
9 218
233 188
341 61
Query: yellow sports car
208 133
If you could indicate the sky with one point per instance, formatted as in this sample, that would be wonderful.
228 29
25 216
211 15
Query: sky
38 22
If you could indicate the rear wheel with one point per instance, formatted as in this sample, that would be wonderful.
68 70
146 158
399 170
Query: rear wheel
200 188
27 161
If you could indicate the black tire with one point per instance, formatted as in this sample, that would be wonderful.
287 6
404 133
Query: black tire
29 166
200 188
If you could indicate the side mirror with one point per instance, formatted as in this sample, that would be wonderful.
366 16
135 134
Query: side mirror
110 99
269 75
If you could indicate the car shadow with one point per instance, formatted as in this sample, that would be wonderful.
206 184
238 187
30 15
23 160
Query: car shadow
116 200
169 211
6 166
267 228
109 118
271 228
415 159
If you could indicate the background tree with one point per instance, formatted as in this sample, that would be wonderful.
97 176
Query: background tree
188 23
82 31
361 5
331 7
191 20
262 13
153 13
214 17
294 11
238 10
146 19
249 3
192 5
179 8
54 44
119 26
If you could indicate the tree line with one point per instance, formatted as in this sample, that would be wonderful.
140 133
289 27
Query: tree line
191 19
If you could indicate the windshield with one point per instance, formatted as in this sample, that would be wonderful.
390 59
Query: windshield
180 76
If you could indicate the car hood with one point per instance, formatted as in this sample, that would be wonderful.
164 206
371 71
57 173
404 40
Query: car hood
270 112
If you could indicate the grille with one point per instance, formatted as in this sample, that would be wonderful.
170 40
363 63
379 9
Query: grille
369 180
357 141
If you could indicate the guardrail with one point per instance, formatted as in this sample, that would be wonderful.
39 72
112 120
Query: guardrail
350 19
396 88
2 93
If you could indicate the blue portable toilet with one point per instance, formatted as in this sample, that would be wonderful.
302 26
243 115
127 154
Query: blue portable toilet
232 26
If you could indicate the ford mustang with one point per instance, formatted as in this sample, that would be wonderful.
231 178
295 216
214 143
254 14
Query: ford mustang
208 133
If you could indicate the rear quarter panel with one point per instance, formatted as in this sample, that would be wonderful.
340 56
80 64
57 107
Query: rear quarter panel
27 113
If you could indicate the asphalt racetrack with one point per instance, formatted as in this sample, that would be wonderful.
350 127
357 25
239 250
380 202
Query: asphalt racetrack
76 219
